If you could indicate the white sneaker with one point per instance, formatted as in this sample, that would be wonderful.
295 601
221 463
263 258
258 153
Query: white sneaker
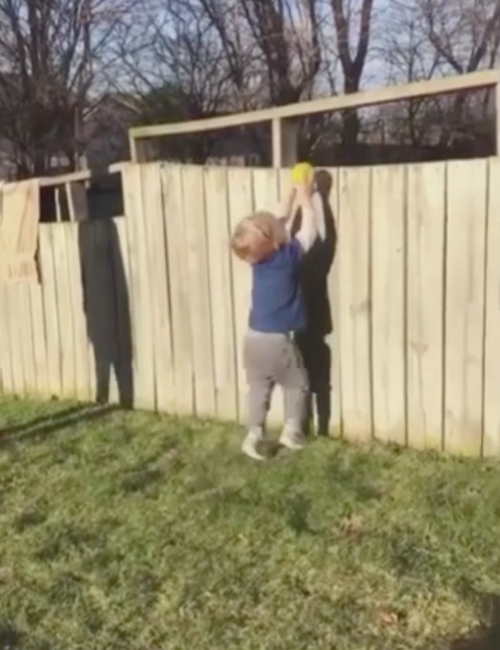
292 439
249 446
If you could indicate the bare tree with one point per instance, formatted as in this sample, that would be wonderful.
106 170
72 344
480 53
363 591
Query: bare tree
405 50
465 35
175 63
280 40
352 56
50 53
218 57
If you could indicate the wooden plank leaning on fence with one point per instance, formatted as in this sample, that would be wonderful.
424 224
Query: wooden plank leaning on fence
18 246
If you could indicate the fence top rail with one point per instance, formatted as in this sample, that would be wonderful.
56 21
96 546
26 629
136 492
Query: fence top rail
384 95
61 179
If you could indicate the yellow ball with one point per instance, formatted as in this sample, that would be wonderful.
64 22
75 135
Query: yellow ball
302 173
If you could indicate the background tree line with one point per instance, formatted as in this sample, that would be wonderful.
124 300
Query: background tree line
69 64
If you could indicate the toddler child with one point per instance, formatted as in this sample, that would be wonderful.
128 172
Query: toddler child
277 312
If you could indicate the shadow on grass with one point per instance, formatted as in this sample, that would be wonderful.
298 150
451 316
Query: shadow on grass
488 636
10 639
45 425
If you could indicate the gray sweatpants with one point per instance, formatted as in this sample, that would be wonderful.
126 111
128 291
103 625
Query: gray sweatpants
272 359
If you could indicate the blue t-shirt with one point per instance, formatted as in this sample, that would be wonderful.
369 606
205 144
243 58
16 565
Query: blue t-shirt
277 304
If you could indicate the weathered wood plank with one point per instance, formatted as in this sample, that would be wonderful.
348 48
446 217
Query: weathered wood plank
265 184
39 339
5 346
161 338
180 299
15 312
199 289
64 312
104 320
223 324
144 378
491 436
50 310
87 255
354 274
123 292
388 303
81 342
425 303
333 228
240 205
466 208
25 324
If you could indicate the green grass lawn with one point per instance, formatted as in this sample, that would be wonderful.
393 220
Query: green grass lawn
129 531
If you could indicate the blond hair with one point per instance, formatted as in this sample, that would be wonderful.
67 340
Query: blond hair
256 237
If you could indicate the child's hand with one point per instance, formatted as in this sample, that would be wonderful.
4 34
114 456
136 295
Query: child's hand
303 190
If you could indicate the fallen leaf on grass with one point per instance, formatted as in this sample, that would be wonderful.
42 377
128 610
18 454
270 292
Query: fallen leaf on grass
352 525
387 617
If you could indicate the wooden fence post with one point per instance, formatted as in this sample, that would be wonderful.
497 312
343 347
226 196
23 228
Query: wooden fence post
497 118
285 142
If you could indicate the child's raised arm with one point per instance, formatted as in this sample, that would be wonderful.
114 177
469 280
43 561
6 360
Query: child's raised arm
309 227
286 207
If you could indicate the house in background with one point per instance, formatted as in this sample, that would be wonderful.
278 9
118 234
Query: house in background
105 130
102 138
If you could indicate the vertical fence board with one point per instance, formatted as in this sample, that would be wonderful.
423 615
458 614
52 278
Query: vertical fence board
100 310
491 443
147 207
50 310
240 205
15 312
334 291
123 290
354 274
5 346
155 260
223 326
22 290
180 299
194 215
466 204
425 296
388 303
87 261
265 197
144 378
81 343
39 339
107 372
64 312
162 336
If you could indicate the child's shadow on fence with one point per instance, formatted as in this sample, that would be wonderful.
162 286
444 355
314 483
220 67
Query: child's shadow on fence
107 309
312 342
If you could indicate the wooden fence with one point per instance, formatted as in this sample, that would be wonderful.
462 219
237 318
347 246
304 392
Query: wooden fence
151 308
